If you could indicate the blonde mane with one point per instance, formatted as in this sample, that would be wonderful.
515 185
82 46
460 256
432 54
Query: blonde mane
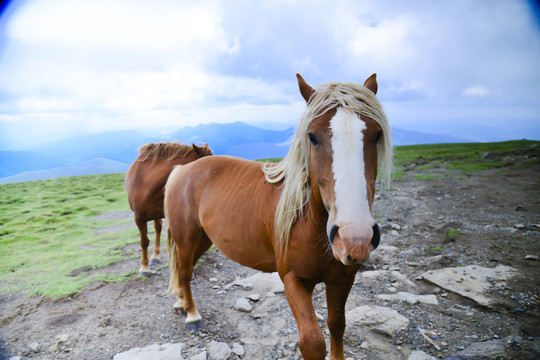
166 151
294 170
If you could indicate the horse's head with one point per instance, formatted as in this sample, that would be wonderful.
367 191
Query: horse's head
202 151
345 140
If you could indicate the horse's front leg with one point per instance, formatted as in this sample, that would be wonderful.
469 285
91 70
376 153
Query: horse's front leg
154 259
336 297
299 295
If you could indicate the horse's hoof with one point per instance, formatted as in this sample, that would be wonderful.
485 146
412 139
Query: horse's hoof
146 274
153 262
180 311
195 325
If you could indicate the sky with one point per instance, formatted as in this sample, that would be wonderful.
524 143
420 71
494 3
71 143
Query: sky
467 68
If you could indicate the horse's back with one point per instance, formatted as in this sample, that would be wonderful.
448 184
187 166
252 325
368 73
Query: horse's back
231 201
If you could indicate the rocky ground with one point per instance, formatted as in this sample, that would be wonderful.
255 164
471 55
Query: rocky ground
456 277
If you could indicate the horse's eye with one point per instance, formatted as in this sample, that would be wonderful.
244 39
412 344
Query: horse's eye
313 139
378 137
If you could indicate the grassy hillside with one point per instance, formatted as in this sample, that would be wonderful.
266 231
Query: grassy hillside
47 233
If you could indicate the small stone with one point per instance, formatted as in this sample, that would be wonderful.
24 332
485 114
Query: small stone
238 349
218 350
213 279
201 356
15 358
532 257
519 226
34 346
254 297
364 345
242 304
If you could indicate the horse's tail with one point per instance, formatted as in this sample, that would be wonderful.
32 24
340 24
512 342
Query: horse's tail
173 258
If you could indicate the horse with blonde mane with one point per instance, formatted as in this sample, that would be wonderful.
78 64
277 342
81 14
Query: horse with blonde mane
308 217
145 184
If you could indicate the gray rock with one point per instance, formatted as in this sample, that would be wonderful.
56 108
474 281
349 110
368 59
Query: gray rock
254 297
238 349
15 358
385 254
35 346
201 356
489 349
471 281
242 304
162 352
420 355
381 319
410 298
218 351
262 283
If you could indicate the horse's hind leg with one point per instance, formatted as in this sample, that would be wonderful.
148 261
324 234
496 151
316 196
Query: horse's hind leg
143 230
195 243
154 259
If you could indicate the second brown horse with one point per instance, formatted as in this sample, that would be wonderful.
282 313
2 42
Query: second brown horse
145 184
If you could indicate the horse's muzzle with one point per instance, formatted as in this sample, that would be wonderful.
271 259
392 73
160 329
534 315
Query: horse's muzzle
353 253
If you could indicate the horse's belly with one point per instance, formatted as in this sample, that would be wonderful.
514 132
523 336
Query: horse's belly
245 250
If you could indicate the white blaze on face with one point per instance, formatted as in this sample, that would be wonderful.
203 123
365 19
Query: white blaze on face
351 211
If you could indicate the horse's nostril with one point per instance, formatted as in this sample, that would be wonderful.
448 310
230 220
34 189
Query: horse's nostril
376 239
333 233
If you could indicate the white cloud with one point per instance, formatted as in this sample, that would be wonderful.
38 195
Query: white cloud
122 64
476 91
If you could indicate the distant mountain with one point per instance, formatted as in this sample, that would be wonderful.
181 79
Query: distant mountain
115 145
13 162
80 155
238 139
89 167
405 137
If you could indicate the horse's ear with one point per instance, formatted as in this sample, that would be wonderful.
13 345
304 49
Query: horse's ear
197 149
371 83
306 90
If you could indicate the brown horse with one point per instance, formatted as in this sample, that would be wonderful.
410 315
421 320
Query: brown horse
145 184
308 217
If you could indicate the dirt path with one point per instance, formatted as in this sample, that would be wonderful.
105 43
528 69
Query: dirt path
491 218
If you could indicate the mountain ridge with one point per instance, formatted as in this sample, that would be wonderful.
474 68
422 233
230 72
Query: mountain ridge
235 139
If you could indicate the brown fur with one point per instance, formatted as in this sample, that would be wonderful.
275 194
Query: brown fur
145 184
229 202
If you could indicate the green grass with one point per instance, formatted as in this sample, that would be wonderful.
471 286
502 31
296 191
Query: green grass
435 250
465 158
46 232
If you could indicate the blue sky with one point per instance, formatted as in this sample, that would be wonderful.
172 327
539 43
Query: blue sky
464 68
